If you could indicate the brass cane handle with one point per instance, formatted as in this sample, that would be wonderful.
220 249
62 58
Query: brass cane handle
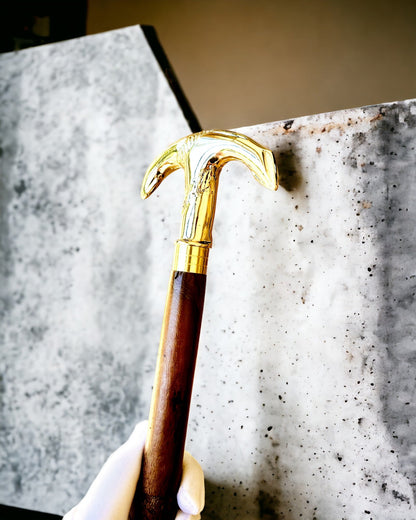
202 157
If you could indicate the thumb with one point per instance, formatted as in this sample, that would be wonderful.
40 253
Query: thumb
191 494
111 494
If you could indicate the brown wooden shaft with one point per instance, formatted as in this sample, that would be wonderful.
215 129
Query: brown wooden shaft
155 497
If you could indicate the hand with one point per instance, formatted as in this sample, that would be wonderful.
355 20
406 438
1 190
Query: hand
111 494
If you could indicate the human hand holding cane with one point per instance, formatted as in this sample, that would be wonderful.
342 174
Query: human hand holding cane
110 495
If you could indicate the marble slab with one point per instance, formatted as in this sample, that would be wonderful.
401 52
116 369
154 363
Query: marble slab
80 122
305 394
303 400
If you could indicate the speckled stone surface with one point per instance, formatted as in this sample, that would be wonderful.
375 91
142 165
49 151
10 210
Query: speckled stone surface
80 122
306 377
303 400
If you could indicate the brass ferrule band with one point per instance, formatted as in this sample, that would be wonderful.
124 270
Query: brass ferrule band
190 258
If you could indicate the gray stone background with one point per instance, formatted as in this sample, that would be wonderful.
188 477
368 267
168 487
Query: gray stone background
79 125
303 393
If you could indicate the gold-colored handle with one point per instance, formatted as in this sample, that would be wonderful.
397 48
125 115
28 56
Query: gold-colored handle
202 157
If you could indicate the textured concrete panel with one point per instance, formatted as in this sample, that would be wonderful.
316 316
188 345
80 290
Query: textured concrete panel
306 379
80 122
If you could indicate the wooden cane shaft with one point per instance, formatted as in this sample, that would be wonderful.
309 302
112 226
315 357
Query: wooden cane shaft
163 456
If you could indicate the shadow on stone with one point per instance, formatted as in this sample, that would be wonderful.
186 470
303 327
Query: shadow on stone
394 219
226 502
289 173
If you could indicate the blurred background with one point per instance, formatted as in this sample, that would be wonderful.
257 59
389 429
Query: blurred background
243 62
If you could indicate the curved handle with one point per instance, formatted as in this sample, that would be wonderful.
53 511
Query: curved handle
155 497
202 157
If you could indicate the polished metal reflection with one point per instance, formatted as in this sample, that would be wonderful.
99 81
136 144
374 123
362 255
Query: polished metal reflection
202 157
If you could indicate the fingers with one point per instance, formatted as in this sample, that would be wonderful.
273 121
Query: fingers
111 494
191 494
183 516
71 515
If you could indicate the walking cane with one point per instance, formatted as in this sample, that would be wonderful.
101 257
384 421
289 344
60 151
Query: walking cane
202 157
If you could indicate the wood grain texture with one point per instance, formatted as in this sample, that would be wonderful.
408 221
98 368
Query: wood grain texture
155 496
